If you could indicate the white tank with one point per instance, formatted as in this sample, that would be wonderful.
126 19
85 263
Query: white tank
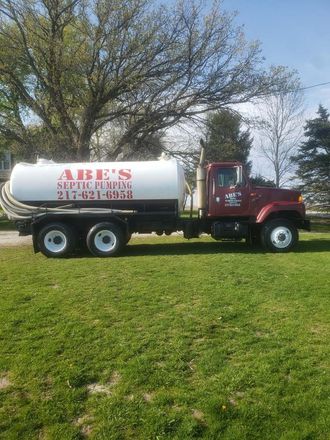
94 182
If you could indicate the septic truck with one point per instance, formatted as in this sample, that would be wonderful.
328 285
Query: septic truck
101 204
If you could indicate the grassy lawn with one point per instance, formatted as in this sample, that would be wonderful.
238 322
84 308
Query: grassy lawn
5 224
172 340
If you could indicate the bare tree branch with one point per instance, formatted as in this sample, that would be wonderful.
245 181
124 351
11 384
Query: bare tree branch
280 128
79 65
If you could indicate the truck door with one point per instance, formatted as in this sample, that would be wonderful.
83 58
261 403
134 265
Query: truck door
228 191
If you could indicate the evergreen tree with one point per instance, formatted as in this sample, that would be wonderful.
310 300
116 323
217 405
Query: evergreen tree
226 140
313 160
259 180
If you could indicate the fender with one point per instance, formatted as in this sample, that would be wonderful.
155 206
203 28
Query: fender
297 207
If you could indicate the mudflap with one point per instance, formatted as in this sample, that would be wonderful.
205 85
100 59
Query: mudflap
34 239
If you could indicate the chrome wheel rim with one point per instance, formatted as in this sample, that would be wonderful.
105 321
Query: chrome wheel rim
281 237
55 241
105 240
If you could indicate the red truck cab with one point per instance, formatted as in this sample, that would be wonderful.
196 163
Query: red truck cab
236 208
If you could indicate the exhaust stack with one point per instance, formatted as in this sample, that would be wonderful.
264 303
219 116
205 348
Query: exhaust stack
201 182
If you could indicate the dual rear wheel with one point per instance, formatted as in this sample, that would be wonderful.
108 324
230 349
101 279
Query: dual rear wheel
59 239
105 239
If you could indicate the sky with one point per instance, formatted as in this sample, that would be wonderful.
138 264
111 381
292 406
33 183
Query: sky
293 33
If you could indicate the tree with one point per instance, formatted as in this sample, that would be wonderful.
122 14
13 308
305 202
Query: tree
280 128
259 180
73 66
104 143
226 139
313 160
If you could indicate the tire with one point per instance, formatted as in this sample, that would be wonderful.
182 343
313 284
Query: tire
56 240
105 240
128 238
279 235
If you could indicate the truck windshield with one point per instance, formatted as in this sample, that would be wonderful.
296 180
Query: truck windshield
227 177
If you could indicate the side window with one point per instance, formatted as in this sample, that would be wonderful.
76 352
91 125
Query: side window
227 177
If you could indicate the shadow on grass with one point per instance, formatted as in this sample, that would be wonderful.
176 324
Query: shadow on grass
314 245
134 249
186 248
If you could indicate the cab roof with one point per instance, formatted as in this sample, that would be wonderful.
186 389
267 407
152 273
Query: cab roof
224 164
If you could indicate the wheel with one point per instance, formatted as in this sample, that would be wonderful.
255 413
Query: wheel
56 240
105 239
279 235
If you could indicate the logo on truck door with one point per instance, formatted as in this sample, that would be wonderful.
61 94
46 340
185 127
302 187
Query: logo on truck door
95 184
233 198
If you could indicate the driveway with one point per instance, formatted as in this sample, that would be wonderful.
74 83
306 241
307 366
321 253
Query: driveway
11 238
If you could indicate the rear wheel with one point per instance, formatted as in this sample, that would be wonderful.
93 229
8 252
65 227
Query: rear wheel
56 240
105 240
279 235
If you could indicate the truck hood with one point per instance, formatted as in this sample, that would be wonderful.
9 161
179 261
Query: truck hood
277 194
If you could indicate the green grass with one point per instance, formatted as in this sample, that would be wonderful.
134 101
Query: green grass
5 224
185 340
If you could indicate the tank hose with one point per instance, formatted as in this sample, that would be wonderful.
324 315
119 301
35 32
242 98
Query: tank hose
16 210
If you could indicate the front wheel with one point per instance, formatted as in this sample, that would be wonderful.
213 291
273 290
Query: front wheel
279 235
105 240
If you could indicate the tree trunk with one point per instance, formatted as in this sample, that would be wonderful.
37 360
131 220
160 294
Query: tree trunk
83 150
